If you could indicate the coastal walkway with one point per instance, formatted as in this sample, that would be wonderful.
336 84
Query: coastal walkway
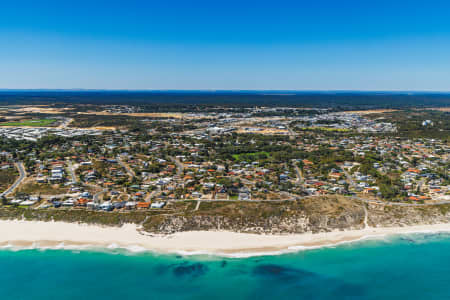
198 204
366 217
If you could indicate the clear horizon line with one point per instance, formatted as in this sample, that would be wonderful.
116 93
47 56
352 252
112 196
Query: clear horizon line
221 90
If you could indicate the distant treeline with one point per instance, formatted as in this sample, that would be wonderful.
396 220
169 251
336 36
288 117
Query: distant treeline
174 100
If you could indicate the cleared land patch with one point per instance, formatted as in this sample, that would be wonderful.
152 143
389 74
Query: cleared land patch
7 178
154 115
326 129
370 111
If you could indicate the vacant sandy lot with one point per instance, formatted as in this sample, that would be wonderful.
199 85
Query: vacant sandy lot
445 109
268 131
370 111
42 109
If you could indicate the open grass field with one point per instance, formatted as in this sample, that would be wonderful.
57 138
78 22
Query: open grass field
30 123
251 156
32 188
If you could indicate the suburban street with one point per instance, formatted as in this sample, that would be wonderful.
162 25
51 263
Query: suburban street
130 172
298 172
178 164
97 195
292 134
72 171
349 179
22 176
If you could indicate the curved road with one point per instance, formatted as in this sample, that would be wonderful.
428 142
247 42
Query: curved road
97 195
22 175
298 172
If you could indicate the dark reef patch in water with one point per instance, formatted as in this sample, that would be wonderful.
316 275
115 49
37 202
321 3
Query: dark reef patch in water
186 269
223 264
281 272
308 285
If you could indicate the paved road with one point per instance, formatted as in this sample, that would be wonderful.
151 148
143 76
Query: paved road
419 186
22 176
152 194
370 201
292 134
97 195
72 171
249 200
298 173
349 178
179 165
287 194
130 171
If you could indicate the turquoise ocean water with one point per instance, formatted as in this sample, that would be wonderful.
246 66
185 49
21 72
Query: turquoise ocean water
415 266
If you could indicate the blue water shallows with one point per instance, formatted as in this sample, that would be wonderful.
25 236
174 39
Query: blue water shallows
413 266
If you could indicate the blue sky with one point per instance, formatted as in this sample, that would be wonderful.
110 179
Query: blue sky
292 45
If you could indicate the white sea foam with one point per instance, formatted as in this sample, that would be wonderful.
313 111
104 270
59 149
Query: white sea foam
113 246
136 249
126 240
295 249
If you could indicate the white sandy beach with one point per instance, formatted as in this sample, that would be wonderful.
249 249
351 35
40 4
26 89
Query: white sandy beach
24 234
